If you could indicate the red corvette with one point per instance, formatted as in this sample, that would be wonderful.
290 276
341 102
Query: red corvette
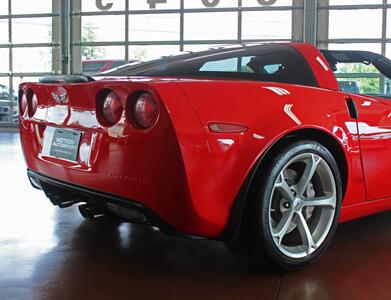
258 146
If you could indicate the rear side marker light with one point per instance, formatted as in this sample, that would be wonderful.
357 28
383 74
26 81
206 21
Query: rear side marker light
226 128
145 110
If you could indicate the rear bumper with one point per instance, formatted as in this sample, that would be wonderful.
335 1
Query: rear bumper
83 194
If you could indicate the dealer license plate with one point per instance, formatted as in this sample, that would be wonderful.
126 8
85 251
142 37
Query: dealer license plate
65 144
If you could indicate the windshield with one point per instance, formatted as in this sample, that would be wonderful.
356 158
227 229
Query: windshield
268 62
361 72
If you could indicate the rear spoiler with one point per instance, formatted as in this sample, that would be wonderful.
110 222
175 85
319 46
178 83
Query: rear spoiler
66 79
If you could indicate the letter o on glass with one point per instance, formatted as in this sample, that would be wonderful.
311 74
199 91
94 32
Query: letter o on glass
210 3
267 2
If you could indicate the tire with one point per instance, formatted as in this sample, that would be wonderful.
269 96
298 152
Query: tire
292 215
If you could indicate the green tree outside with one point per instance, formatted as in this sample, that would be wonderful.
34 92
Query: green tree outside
91 52
366 85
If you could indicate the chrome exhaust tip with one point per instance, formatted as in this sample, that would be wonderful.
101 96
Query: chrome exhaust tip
91 212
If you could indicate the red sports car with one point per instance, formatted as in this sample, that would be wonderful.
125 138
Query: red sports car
256 146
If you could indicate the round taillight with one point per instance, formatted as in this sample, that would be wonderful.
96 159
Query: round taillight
145 111
32 103
112 109
22 103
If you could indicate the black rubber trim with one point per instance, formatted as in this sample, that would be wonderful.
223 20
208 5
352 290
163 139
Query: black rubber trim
66 79
353 112
96 195
232 229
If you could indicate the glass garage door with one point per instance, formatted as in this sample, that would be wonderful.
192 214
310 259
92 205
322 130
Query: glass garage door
28 44
127 30
371 35
88 36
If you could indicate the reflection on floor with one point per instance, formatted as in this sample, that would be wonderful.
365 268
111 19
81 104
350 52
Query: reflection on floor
48 253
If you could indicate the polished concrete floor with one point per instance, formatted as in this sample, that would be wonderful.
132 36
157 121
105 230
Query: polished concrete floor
48 253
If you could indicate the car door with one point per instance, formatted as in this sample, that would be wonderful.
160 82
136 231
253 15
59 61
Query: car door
374 127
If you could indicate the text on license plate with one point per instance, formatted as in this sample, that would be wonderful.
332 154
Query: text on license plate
65 144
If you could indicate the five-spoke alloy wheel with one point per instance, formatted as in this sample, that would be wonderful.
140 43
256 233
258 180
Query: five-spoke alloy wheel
302 205
292 212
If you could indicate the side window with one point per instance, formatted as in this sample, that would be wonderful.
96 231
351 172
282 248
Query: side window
236 64
247 64
263 64
361 78
244 61
273 68
225 65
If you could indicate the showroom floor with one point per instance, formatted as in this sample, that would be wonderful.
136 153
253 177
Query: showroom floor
48 253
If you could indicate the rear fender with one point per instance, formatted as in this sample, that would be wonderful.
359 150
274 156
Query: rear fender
198 164
270 116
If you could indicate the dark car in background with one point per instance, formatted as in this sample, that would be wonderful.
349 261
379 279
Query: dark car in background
5 105
94 66
349 86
